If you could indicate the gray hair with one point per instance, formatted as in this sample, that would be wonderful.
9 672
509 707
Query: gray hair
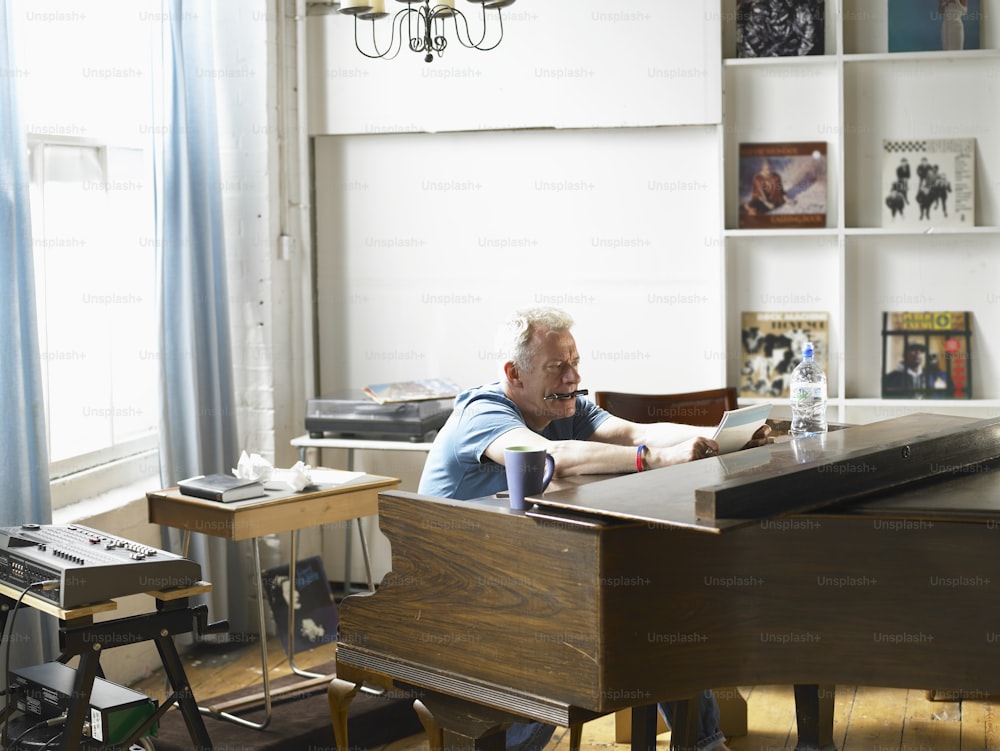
522 326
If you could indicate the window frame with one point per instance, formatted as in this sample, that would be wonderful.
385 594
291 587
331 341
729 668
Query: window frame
133 460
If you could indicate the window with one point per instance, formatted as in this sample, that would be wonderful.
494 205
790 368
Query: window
86 112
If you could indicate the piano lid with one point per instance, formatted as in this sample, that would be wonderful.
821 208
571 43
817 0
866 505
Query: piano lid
793 476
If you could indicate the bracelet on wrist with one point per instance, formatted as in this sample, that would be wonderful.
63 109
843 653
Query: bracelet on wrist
640 450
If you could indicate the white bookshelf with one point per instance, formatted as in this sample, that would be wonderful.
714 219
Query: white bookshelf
852 97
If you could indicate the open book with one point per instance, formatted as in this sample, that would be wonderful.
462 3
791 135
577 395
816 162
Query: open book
738 426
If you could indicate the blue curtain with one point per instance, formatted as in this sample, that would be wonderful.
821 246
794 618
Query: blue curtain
22 409
197 421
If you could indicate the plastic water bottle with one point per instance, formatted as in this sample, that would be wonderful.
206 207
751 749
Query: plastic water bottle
808 393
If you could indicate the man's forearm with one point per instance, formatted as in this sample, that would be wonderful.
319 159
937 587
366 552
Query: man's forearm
592 458
595 458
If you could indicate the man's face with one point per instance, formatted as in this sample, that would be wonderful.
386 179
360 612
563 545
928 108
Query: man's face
914 358
554 370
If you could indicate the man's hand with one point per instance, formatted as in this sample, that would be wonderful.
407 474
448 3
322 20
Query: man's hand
761 437
687 451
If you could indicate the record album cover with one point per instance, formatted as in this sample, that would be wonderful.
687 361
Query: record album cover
925 25
929 183
413 391
312 602
927 355
771 346
779 28
782 185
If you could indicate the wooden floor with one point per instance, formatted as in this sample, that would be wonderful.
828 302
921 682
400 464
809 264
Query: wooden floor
867 719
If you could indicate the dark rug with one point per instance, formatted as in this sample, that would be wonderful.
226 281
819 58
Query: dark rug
300 720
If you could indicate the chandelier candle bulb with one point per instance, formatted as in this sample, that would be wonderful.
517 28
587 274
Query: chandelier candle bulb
377 10
356 7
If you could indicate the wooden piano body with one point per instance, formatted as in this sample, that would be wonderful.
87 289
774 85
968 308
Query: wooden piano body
629 591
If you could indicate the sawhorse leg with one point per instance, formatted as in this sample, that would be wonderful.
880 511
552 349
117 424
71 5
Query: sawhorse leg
87 640
182 693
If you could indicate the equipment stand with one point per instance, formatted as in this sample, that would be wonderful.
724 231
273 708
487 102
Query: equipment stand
80 636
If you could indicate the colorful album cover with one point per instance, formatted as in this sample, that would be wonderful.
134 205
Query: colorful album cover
779 28
315 610
771 345
782 185
927 355
925 25
929 183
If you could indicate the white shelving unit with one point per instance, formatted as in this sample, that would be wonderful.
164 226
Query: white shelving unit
852 97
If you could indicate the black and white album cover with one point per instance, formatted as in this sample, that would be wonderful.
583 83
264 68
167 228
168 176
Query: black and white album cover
771 345
779 28
929 183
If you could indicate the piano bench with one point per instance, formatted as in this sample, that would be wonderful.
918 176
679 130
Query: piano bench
732 716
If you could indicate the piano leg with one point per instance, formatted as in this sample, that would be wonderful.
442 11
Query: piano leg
644 728
684 726
814 717
435 736
339 695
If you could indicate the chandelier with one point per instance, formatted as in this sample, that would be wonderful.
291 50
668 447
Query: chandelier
425 26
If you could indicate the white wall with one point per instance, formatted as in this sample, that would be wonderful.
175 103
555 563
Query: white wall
426 242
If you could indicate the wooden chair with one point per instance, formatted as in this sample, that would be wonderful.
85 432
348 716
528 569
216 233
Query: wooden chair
703 408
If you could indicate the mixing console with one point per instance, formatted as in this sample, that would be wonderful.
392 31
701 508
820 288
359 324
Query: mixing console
72 565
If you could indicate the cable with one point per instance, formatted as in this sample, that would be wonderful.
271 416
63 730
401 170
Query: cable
7 636
47 584
51 722
31 729
57 736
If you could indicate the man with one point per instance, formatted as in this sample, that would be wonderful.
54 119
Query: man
903 179
908 380
534 404
528 407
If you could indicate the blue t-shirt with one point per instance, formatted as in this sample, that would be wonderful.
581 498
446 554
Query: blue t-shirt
456 466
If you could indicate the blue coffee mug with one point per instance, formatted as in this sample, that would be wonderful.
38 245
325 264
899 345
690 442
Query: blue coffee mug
529 471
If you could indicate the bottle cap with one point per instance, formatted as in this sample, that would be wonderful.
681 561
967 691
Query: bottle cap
807 351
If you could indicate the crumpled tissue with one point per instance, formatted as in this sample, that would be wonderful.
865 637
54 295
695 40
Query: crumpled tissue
256 467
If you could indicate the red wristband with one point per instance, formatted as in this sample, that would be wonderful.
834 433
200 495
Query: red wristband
638 458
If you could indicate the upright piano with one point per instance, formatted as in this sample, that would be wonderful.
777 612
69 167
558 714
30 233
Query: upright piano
869 556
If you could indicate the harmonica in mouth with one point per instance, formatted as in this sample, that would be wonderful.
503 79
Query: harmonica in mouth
570 395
